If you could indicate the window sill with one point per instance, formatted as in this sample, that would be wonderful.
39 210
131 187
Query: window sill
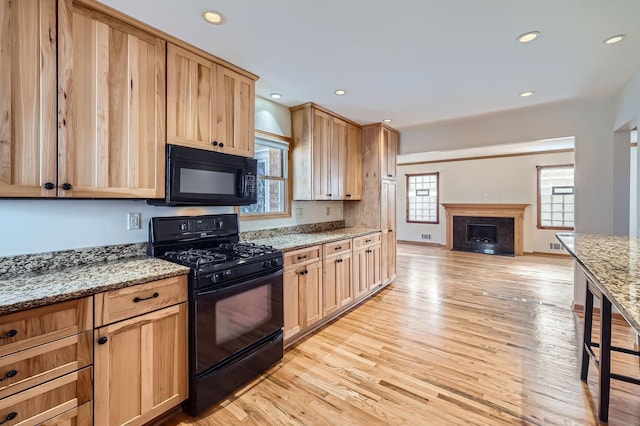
264 216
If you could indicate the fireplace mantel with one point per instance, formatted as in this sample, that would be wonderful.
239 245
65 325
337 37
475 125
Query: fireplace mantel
515 211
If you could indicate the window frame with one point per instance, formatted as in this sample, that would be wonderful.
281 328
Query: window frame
275 140
539 198
407 177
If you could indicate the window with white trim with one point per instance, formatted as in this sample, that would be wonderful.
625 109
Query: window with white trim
272 184
556 197
422 198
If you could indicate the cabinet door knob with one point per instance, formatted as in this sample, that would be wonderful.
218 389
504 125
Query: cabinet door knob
389 175
66 186
214 143
10 333
12 415
329 195
221 145
10 374
103 340
48 185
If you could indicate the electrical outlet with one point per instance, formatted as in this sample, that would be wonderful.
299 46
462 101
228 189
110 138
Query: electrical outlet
299 212
426 236
134 221
328 211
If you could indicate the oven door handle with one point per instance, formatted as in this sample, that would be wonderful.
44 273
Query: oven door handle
249 283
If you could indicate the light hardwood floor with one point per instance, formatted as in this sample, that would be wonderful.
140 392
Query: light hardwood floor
457 339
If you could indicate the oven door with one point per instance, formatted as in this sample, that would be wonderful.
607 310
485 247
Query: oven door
233 318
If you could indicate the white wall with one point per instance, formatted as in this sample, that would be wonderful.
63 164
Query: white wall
35 226
495 180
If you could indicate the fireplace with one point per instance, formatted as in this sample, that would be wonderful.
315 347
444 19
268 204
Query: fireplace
490 235
486 228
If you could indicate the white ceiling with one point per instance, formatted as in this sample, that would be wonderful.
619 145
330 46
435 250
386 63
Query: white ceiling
415 61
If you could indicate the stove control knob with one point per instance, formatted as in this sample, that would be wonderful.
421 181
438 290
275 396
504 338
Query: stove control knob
216 278
183 226
227 273
267 264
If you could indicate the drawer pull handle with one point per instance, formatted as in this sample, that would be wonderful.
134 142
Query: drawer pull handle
302 257
12 415
140 299
10 333
339 261
10 374
304 272
338 248
369 251
103 340
367 241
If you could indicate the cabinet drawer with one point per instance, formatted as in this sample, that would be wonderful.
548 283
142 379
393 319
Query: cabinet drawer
302 256
366 240
48 400
337 247
79 416
129 302
23 370
33 327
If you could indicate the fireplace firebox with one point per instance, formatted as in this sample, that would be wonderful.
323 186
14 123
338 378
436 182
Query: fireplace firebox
490 235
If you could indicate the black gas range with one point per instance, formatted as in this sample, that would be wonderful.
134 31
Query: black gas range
235 302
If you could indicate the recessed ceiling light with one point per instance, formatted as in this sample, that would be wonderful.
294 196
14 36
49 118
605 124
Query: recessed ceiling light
387 120
528 37
214 17
340 92
526 94
276 95
615 39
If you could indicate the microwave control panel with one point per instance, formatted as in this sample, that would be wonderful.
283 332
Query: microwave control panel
249 185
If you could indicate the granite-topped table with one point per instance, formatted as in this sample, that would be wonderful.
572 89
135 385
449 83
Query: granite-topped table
292 242
612 266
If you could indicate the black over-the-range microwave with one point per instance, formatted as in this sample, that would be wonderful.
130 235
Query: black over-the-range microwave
206 178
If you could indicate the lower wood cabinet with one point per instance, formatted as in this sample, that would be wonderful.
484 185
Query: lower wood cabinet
388 265
366 270
48 400
302 290
141 362
320 282
79 416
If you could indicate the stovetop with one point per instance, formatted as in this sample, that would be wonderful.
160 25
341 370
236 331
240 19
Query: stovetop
224 256
209 246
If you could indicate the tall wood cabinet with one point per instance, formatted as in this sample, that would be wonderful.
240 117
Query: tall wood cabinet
378 206
325 148
208 106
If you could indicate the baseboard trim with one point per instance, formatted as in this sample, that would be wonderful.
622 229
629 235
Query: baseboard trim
596 311
422 243
544 253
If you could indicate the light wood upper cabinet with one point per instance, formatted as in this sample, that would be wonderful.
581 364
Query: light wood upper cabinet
325 149
111 101
353 180
208 106
235 112
27 98
190 103
338 158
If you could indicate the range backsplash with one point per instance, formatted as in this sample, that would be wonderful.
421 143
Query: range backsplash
288 230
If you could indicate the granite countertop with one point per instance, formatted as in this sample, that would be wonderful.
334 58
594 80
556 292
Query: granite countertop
298 241
21 291
613 262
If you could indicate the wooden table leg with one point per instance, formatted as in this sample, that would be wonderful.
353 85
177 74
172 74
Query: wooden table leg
605 359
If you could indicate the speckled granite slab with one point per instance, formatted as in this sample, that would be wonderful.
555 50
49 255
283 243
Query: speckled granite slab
29 290
297 241
614 264
69 258
288 230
